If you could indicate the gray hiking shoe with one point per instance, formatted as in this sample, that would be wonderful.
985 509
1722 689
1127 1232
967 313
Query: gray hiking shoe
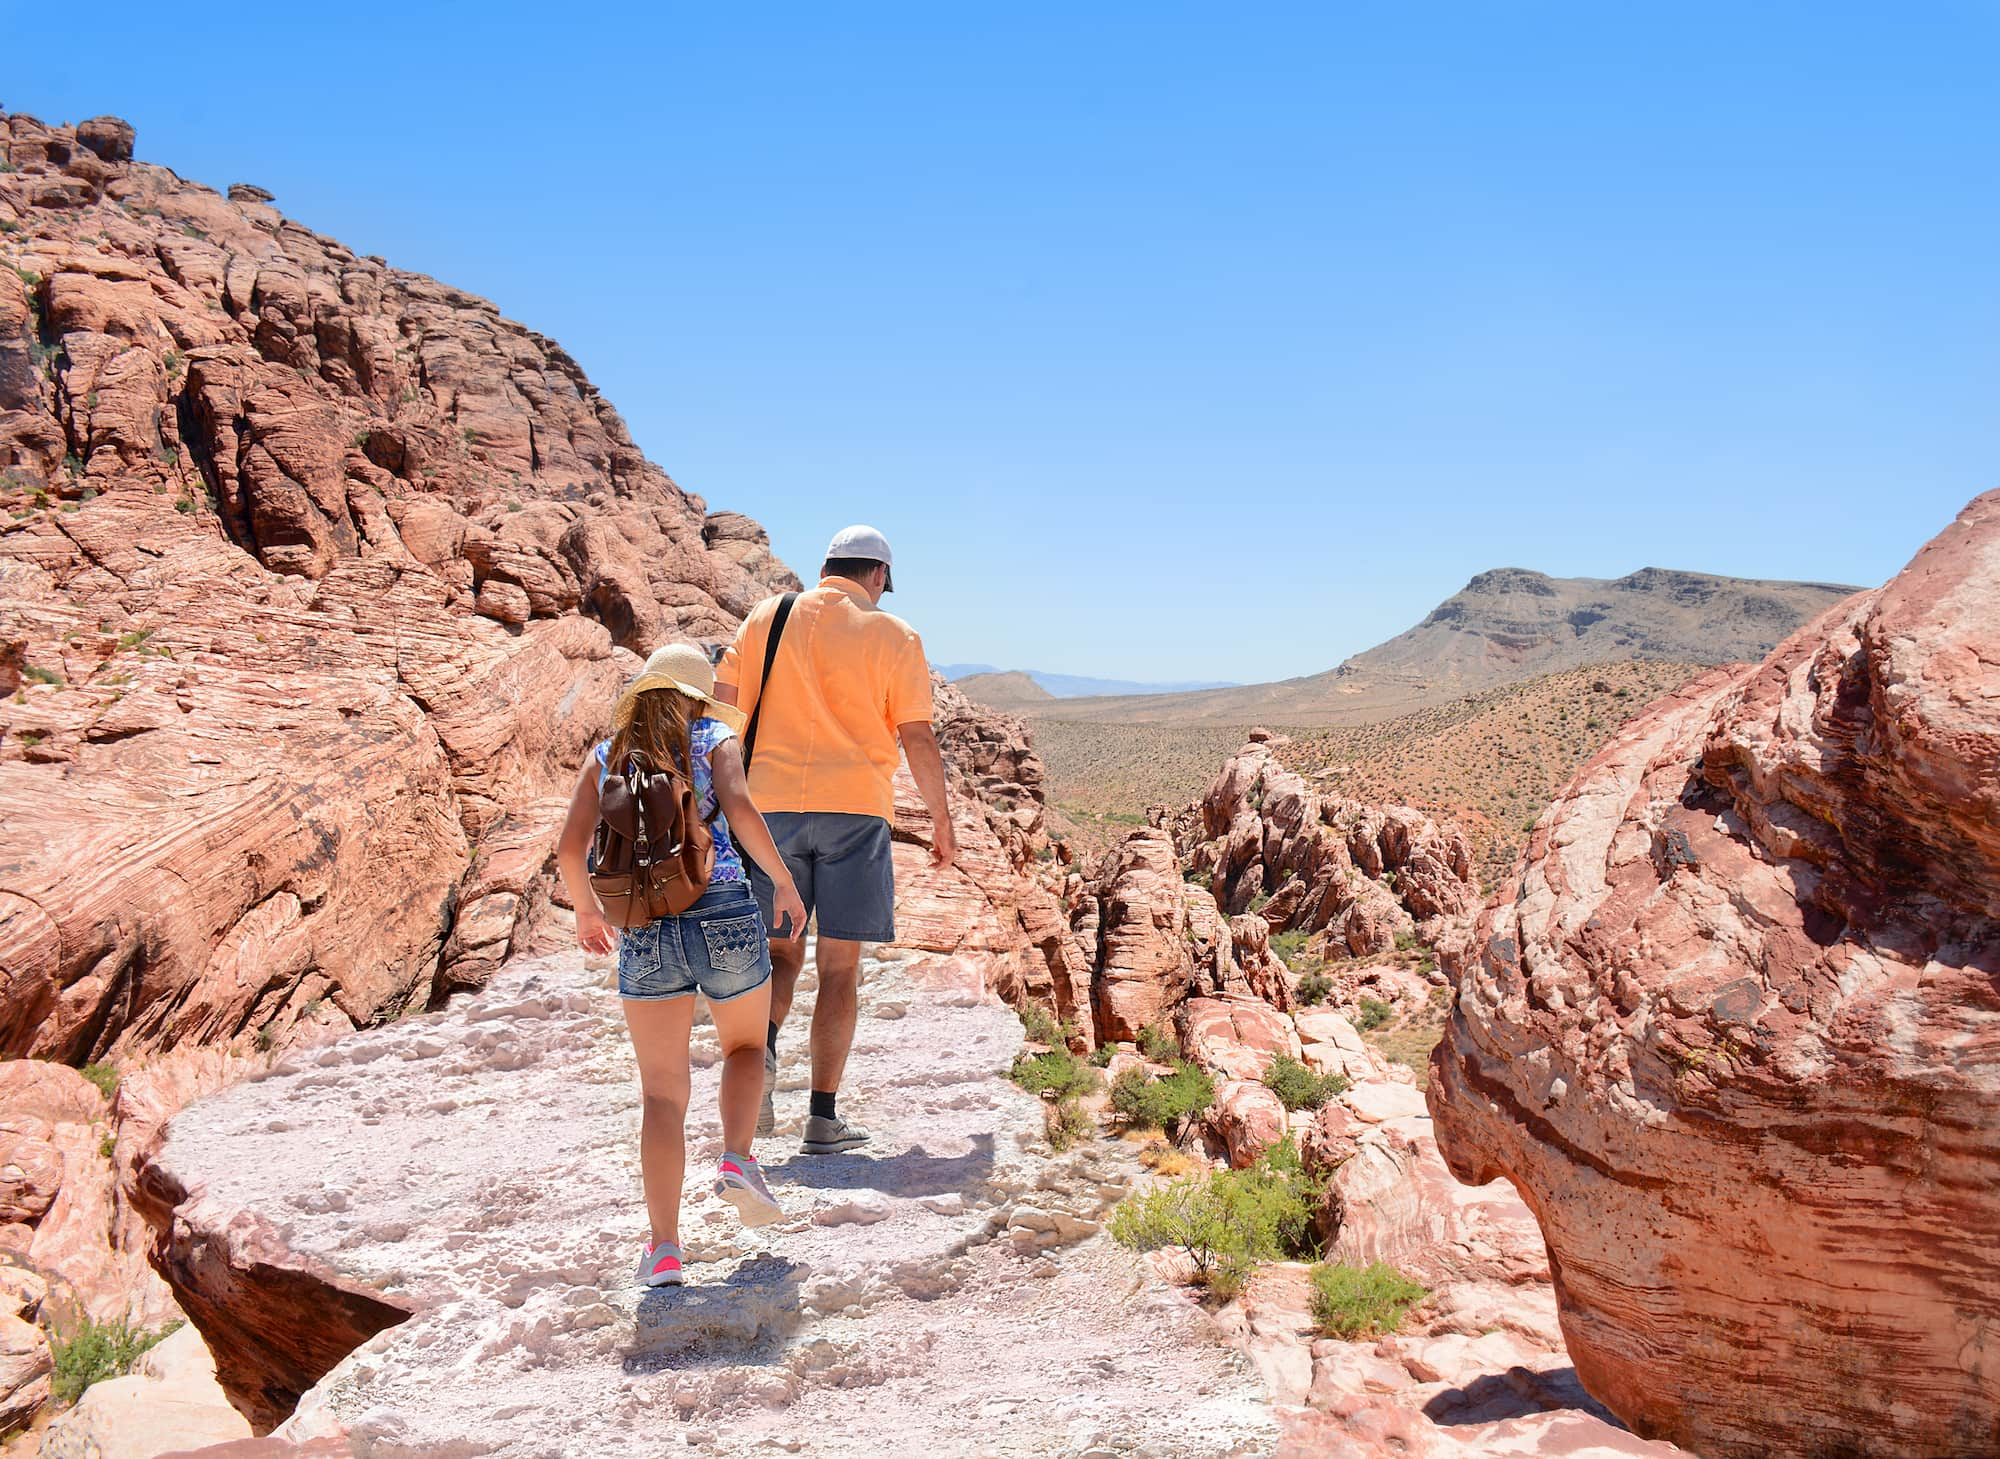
740 1181
767 1116
831 1136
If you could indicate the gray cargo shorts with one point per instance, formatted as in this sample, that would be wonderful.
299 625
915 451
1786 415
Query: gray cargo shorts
840 863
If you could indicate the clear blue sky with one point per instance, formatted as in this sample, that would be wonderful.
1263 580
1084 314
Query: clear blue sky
1177 341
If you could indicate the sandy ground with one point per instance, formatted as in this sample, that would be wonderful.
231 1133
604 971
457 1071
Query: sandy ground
945 1292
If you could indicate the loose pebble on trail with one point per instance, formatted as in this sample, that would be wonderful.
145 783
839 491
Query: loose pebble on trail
946 1291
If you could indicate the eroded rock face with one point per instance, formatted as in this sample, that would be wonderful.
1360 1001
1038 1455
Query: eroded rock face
1736 1037
1355 875
1002 902
318 578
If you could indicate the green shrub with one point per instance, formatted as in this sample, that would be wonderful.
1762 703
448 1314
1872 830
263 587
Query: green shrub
1147 1103
1374 1013
1298 1087
1067 1123
1259 902
1058 1072
104 1076
1405 941
1355 1302
1040 1024
95 1351
1100 1056
1314 988
1227 1221
36 674
1157 1042
1290 946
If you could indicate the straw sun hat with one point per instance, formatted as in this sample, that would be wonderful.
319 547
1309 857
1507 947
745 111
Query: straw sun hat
685 667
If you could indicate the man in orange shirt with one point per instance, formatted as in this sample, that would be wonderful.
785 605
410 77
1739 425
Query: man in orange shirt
827 709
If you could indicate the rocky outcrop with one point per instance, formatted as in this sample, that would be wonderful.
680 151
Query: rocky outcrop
1736 1036
318 579
1355 876
62 1214
1003 902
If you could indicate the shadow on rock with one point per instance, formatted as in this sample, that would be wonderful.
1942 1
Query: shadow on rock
914 1172
1516 1393
744 1318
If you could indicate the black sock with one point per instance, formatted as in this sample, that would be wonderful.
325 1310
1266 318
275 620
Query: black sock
822 1105
771 1039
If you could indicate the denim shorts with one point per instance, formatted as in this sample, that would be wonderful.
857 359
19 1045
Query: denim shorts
717 945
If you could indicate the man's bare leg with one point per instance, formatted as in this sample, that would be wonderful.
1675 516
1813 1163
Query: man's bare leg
834 1013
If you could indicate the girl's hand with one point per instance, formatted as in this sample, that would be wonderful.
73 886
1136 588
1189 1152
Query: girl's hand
785 903
593 933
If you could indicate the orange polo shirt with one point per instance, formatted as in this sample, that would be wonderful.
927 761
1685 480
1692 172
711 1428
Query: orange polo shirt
846 675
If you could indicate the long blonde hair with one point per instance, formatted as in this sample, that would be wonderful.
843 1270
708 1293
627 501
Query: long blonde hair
655 724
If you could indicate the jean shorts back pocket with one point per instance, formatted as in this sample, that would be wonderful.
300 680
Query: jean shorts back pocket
638 952
735 944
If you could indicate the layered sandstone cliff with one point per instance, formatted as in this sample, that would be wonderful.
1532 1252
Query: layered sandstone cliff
316 578
1736 1037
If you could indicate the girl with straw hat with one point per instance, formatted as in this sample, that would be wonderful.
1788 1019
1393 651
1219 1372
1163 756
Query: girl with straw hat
671 717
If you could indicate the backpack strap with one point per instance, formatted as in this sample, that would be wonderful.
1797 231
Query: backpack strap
763 681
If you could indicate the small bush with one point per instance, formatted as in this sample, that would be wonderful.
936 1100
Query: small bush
1405 941
1100 1056
1290 946
1227 1221
1147 1103
1040 1024
1067 1123
95 1351
108 1146
1259 902
1355 1302
1374 1013
1298 1087
1058 1072
1157 1042
104 1076
1314 988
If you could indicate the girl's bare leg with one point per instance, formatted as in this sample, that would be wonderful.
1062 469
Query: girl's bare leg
740 1025
659 1031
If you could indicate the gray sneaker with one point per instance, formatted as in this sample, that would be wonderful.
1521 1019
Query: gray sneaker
831 1137
740 1181
767 1117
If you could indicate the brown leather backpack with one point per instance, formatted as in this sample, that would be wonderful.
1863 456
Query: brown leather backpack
653 852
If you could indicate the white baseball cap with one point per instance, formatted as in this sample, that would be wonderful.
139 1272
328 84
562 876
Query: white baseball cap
863 542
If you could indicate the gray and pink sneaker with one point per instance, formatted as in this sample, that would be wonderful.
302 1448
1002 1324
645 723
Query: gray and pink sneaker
739 1180
660 1266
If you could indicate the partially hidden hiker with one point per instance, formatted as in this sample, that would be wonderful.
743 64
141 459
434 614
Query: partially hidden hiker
659 817
832 685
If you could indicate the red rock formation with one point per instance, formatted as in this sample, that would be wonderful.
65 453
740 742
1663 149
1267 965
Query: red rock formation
275 1321
1002 900
318 579
1361 874
1736 1037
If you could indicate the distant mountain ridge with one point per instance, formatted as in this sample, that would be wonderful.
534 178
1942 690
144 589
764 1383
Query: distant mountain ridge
1505 625
1022 683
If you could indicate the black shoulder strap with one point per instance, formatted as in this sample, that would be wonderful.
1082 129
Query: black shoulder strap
763 680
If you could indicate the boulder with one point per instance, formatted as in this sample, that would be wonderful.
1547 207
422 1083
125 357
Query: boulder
1736 1036
1248 1118
1235 1038
170 1402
